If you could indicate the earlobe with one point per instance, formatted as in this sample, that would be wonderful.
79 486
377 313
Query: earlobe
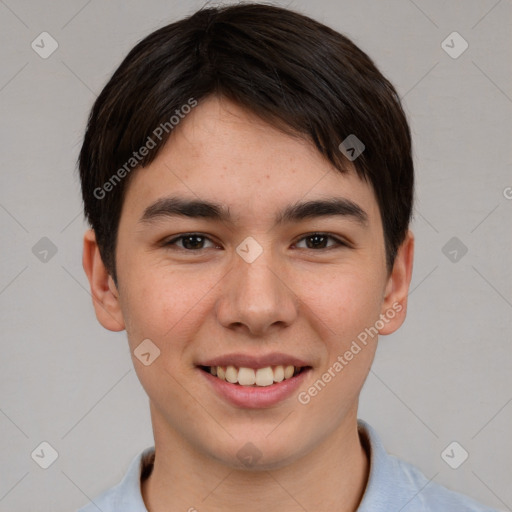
103 289
394 306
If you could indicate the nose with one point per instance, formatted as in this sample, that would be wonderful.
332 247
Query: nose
257 297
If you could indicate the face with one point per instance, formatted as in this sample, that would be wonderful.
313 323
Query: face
253 283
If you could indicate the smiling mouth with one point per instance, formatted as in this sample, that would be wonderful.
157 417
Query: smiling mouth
254 377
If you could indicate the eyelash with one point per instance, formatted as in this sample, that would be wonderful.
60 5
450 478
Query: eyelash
339 242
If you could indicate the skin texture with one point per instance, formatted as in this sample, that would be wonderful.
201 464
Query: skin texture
305 301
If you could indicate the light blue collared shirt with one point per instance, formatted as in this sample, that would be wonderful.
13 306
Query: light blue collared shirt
393 486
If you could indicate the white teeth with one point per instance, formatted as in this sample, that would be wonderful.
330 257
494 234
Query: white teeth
278 373
264 376
246 376
250 377
288 372
232 374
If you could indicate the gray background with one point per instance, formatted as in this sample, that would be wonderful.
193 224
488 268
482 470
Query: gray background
445 376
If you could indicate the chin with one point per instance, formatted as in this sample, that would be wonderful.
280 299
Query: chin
261 452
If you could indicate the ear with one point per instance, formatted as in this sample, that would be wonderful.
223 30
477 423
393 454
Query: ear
103 289
394 306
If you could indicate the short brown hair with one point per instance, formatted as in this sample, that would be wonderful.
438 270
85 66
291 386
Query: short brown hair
287 68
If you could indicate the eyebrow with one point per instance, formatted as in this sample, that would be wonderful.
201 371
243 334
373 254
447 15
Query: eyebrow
175 206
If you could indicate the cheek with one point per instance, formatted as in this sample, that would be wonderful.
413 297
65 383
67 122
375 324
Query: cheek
349 306
347 301
163 304
164 307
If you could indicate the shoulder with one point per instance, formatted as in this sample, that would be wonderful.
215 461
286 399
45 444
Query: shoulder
126 495
429 496
394 484
106 502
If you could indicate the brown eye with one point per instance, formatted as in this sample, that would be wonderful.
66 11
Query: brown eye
319 241
189 242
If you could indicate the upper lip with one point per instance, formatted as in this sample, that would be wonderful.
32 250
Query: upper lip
251 361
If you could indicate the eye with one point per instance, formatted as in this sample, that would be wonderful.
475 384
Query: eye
193 242
318 241
190 241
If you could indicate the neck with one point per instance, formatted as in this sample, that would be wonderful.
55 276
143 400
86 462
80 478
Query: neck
330 477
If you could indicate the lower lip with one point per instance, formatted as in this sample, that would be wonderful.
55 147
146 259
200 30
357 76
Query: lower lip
255 397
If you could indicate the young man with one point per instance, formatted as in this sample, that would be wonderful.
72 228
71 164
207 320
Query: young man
247 174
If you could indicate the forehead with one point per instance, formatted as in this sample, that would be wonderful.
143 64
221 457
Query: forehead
221 152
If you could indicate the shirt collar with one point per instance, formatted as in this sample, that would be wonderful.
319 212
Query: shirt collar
383 469
129 494
378 495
